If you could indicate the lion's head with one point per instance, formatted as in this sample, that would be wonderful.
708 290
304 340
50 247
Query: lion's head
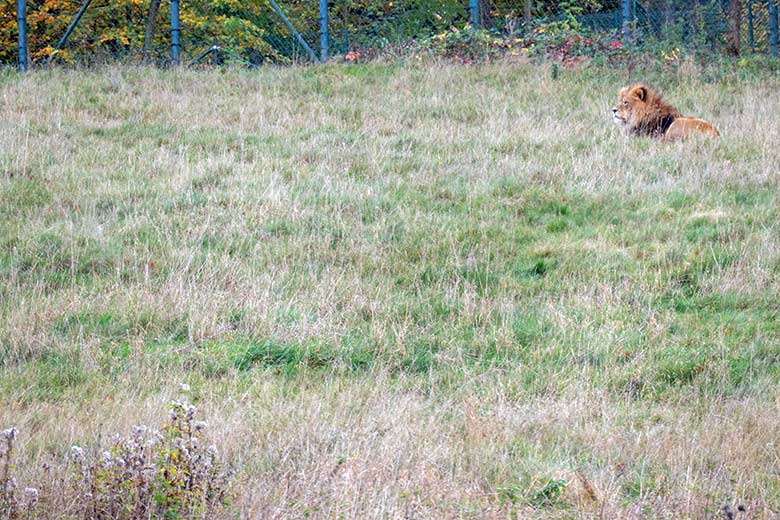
641 111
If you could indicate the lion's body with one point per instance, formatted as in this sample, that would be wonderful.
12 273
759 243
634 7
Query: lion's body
640 111
685 126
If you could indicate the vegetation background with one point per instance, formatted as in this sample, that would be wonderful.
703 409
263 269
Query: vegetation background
398 290
138 30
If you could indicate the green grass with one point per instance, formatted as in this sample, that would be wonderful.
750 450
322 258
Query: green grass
455 291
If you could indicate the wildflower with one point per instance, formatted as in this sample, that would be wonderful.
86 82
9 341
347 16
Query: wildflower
184 388
199 425
77 454
176 406
31 494
129 445
212 450
616 45
9 434
154 439
191 411
350 56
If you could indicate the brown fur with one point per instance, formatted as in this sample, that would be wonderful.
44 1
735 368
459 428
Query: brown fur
641 111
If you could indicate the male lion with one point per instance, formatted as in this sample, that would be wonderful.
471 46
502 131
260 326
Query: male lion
640 111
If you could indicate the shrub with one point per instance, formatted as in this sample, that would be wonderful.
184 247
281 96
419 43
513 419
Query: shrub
161 474
465 45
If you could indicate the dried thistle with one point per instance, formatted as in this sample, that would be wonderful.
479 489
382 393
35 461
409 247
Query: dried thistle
149 473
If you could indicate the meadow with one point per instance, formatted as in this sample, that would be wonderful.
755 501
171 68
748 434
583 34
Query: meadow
400 291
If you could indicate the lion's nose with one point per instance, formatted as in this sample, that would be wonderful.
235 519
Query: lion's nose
614 110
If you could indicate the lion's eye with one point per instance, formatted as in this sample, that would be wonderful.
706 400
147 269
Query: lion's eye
625 103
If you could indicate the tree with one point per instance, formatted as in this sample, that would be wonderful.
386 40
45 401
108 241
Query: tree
151 22
735 24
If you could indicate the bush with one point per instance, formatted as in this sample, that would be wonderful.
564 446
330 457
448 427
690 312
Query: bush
161 474
465 45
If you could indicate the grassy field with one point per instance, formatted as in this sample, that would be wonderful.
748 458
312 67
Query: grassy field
400 292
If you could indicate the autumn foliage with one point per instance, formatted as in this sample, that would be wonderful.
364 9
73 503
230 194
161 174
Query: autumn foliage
115 28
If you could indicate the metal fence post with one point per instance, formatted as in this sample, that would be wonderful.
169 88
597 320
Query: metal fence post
290 26
21 23
68 32
773 36
626 15
474 13
323 31
751 33
175 32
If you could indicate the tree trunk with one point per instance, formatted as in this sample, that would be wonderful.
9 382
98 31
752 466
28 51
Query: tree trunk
484 14
735 25
151 21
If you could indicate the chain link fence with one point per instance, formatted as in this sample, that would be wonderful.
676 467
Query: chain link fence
289 31
212 31
729 26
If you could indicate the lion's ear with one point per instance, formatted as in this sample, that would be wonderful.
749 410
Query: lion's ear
640 91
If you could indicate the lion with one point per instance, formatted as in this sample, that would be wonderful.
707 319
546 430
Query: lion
641 111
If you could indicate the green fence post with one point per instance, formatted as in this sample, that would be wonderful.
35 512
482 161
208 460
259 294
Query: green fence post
69 31
21 23
773 37
323 31
175 32
293 30
751 32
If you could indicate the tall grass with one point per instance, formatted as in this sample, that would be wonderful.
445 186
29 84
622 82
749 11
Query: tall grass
400 292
